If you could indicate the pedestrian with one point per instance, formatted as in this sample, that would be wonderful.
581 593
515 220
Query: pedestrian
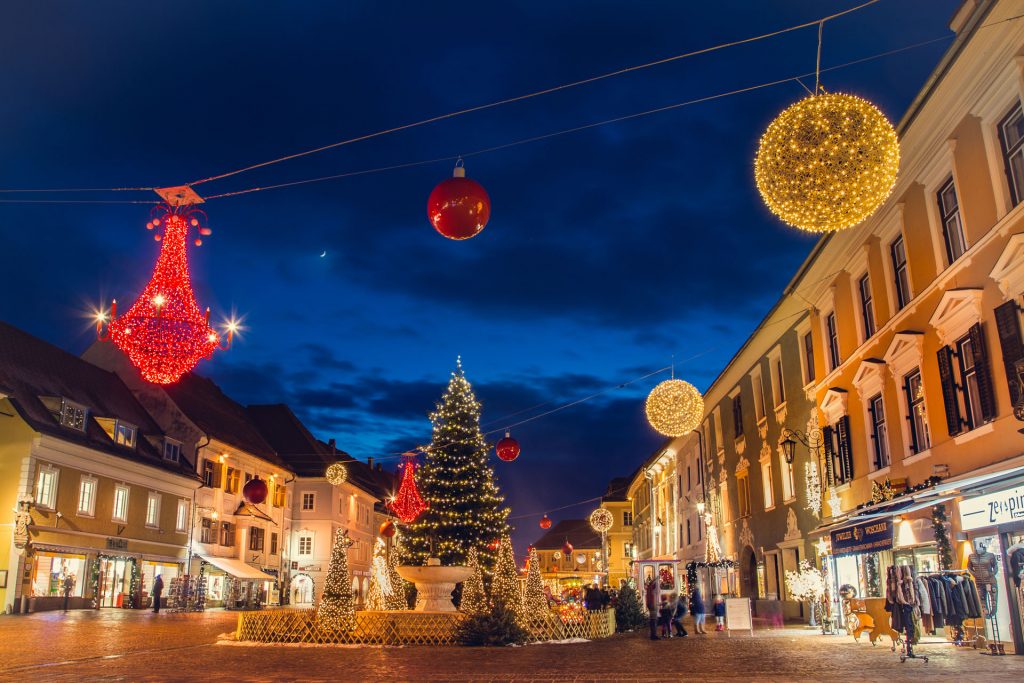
158 589
606 598
678 614
719 609
592 597
652 600
69 587
697 610
665 617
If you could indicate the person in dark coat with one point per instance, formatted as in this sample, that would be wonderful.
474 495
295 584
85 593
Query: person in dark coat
677 616
652 600
719 609
697 610
606 598
158 589
592 597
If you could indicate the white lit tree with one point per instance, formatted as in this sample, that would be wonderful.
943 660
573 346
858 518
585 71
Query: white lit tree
396 598
380 579
535 602
337 609
474 597
807 583
505 584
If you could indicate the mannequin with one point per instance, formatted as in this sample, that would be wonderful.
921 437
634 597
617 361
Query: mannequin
984 566
1015 553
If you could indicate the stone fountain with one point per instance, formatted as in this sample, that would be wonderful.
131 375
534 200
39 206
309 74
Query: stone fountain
434 584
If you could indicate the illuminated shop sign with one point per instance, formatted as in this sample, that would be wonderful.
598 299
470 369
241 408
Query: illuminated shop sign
992 509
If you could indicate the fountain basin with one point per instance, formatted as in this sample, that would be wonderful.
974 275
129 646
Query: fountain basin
434 585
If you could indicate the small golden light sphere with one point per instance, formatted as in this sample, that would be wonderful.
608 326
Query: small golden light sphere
827 162
337 473
674 407
601 520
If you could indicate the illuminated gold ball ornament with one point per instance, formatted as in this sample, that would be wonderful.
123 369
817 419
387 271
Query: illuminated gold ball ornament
337 474
827 162
601 520
674 407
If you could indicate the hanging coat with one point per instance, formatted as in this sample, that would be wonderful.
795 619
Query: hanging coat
923 596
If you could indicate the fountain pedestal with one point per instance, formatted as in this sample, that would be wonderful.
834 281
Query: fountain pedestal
434 584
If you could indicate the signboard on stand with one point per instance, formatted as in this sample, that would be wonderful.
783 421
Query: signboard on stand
737 615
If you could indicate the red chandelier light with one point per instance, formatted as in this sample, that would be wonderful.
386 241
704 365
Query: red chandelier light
164 333
408 504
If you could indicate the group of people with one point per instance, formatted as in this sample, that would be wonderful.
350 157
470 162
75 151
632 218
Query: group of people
596 598
666 612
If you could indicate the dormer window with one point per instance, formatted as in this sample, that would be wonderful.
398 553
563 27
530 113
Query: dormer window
73 415
172 450
124 434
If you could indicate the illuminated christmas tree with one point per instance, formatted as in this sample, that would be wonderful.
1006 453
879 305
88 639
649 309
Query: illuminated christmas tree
380 579
396 598
337 609
466 508
474 598
535 602
505 584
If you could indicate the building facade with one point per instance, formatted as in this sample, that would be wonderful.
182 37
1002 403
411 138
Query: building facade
619 544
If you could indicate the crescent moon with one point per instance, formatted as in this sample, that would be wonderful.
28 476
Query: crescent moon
324 253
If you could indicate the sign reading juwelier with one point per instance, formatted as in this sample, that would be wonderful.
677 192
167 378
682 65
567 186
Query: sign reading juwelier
992 509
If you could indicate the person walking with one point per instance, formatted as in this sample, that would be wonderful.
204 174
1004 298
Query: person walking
665 617
158 589
677 616
652 600
697 609
69 587
719 608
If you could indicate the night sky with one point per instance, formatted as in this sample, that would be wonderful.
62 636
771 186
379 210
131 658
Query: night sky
608 250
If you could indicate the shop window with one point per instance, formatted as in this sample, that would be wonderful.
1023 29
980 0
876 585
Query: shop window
305 545
172 450
1011 137
766 483
808 343
743 494
867 313
838 452
308 501
73 415
227 534
181 518
120 513
967 391
256 536
273 543
920 439
208 531
54 571
153 510
879 435
208 472
627 518
901 276
952 225
87 496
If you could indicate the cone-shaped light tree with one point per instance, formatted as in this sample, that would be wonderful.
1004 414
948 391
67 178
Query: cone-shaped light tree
474 597
535 602
505 584
380 579
337 609
396 598
466 507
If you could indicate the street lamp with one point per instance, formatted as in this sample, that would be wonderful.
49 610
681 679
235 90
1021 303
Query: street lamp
700 507
812 440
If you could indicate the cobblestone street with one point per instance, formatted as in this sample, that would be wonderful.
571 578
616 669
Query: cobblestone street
129 645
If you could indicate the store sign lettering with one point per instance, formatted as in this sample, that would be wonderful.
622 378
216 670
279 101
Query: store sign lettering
992 509
117 544
862 538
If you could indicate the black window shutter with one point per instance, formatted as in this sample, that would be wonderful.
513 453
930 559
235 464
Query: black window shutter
914 445
826 437
1008 327
949 391
737 415
845 451
872 432
986 392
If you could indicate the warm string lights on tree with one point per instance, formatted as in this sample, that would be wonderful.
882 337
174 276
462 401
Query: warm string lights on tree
336 474
505 584
466 508
408 504
380 578
674 407
337 608
535 602
474 597
458 207
827 162
396 599
164 333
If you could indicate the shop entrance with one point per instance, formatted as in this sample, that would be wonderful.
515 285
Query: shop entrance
750 574
115 580
302 589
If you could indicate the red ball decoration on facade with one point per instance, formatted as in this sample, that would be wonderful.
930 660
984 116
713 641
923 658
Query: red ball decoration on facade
508 448
387 529
458 208
255 491
408 504
545 522
567 548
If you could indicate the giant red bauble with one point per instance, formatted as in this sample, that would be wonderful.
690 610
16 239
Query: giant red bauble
387 529
255 491
567 549
545 522
459 207
507 449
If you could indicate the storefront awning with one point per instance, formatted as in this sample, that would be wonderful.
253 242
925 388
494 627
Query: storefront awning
237 568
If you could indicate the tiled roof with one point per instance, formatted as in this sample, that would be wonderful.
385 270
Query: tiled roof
576 531
300 450
32 369
219 416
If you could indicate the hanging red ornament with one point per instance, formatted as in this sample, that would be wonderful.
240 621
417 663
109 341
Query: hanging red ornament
164 333
493 545
387 529
255 491
545 522
567 548
529 549
508 448
408 504
458 208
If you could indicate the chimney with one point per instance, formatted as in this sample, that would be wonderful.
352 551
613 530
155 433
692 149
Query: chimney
331 443
380 467
369 461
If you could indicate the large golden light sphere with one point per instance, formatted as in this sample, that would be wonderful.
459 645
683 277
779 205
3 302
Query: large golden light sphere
601 520
337 473
827 162
674 407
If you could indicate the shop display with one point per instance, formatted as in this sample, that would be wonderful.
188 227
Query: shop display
984 566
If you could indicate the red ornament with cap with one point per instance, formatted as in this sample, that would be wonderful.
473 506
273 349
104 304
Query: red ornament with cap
255 491
545 522
508 448
387 529
567 548
459 208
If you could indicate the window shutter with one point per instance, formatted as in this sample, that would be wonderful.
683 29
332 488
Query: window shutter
949 391
914 445
872 434
826 435
1008 328
986 392
845 452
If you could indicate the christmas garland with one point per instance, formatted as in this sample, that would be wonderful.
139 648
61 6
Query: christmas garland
692 567
942 544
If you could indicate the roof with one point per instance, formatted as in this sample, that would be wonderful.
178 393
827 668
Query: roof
219 417
32 369
577 531
617 491
293 443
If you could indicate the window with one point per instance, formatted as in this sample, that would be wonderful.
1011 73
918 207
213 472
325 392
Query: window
788 482
838 453
758 384
232 480
227 534
208 472
969 382
723 501
689 477
809 357
46 487
627 518
737 415
305 545
153 509
308 501
1011 135
867 314
766 483
181 518
952 226
256 536
879 435
832 335
273 543
627 550
124 434
172 450
73 415
87 496
780 386
120 503
901 277
208 531
688 539
920 440
280 491
743 493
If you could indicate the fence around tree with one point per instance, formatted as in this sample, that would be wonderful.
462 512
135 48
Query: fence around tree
402 628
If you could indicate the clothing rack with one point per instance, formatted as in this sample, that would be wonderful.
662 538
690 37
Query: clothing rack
959 638
907 630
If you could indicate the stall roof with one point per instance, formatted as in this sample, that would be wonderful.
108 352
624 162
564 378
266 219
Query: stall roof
237 568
